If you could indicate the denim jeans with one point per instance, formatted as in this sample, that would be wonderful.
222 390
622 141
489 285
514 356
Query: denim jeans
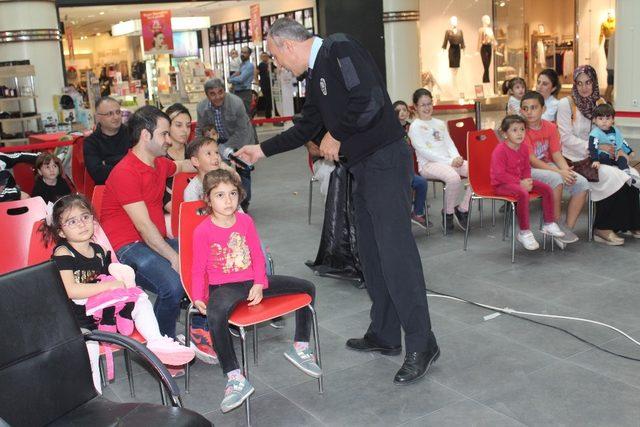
419 185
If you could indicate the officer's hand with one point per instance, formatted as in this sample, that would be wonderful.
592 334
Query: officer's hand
250 153
329 147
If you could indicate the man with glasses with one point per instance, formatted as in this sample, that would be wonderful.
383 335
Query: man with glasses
242 79
108 144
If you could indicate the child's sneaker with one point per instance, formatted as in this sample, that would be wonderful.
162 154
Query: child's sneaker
170 352
303 360
552 229
528 241
238 390
634 180
201 343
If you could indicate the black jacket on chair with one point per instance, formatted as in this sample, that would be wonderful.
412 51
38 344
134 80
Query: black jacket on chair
45 375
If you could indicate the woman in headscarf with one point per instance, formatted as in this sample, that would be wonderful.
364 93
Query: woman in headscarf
617 204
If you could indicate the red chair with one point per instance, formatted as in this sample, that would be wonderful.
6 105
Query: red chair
192 133
25 177
96 200
458 130
480 146
38 251
243 316
89 185
180 182
77 163
16 220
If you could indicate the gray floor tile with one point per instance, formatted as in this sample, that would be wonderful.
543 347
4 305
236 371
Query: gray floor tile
465 413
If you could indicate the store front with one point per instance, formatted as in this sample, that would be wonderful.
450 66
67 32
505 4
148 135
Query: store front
468 48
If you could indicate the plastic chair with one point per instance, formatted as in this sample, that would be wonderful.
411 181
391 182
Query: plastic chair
311 181
38 251
96 200
192 132
24 174
243 316
480 146
458 130
77 163
16 220
180 182
89 185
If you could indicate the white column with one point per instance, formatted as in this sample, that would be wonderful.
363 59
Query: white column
22 19
402 47
627 60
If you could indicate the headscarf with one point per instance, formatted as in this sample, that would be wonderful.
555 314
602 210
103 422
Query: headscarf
586 105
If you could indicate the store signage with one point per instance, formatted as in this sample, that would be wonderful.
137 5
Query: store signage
255 24
157 34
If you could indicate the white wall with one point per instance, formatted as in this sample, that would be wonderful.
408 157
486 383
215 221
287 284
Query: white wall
627 87
434 22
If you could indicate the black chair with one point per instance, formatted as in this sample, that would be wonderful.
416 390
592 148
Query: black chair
45 375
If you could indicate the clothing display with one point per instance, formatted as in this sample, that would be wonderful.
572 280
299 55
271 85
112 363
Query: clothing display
485 54
607 30
455 39
486 41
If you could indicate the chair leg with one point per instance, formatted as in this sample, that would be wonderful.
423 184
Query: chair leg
513 233
127 364
480 210
506 220
426 214
103 370
187 342
493 212
255 344
310 198
444 210
435 195
316 341
163 397
590 216
245 371
466 232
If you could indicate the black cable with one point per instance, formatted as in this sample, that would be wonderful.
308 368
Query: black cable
541 323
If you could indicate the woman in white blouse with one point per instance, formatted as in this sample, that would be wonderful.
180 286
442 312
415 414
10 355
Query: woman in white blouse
617 204
548 85
438 158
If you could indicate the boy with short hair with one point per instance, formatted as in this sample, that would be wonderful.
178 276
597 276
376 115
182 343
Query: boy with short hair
549 166
204 156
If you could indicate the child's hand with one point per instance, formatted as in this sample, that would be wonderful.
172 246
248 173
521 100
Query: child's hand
255 294
201 306
457 162
527 184
568 176
595 165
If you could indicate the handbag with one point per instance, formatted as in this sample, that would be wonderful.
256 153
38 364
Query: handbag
583 167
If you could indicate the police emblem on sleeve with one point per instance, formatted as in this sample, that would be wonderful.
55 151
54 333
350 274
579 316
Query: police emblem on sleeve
323 86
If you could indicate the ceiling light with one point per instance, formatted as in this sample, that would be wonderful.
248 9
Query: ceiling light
91 16
101 13
98 34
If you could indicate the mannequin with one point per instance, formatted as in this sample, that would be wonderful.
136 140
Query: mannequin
486 41
607 29
455 38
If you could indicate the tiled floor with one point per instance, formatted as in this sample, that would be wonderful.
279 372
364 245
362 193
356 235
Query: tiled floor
499 372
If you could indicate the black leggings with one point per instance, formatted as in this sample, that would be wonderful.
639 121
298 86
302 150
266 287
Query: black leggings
224 298
485 54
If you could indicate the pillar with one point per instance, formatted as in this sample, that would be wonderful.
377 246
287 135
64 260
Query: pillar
627 62
29 30
402 47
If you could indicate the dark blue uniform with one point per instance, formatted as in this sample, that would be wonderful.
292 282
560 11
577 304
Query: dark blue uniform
346 95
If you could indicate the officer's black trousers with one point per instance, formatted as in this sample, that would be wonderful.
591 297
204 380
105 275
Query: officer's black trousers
388 252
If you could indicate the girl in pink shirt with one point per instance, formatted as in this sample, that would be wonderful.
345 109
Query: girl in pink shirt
227 252
511 176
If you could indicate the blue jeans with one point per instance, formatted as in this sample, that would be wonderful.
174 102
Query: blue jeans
419 185
155 274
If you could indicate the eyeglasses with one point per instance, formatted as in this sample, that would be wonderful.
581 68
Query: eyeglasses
75 222
584 83
111 113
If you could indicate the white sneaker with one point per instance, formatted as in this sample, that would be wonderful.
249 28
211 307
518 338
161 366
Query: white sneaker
552 229
528 240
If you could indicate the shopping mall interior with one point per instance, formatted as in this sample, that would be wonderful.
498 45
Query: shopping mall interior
526 337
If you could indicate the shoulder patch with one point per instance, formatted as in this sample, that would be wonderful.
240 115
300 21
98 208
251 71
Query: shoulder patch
349 73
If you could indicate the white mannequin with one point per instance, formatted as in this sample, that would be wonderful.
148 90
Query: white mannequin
453 21
485 33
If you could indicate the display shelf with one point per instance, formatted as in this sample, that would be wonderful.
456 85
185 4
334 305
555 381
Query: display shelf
20 119
14 141
17 71
17 98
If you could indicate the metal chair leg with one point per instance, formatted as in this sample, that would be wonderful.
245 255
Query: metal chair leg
513 232
480 211
310 198
466 232
493 212
255 344
506 221
187 342
316 341
245 371
162 394
426 214
127 363
444 210
590 218
103 369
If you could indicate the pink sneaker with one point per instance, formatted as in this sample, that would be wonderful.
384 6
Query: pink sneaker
170 352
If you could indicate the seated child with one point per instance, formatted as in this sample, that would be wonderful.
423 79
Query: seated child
549 166
81 262
204 156
9 189
50 185
606 144
511 176
419 184
438 158
226 250
515 87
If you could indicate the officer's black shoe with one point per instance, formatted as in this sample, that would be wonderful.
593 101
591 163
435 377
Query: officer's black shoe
366 344
415 366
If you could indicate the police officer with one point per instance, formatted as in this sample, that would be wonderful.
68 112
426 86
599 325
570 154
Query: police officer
346 94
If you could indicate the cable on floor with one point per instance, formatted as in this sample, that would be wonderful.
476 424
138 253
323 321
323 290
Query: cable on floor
522 314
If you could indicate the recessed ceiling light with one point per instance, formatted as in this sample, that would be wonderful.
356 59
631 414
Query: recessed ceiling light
97 34
91 16
102 13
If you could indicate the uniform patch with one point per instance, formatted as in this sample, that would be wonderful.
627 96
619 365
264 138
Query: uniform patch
349 73
323 86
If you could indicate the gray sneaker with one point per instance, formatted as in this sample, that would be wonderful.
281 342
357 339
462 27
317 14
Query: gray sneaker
569 235
235 393
304 360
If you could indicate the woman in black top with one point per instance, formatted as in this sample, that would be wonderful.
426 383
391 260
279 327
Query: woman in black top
179 134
